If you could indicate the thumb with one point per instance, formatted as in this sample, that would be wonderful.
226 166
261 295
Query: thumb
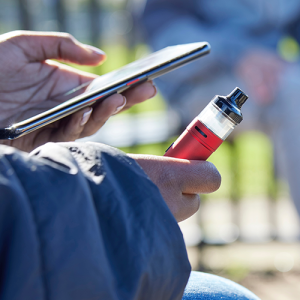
185 176
180 181
39 46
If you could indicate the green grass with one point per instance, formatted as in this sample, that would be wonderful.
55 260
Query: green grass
245 165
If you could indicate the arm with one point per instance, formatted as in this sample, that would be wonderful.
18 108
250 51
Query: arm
90 223
83 221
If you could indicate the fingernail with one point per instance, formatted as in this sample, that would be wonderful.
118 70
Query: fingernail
121 106
86 117
155 90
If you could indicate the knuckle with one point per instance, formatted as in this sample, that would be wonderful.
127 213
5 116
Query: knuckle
189 207
66 36
193 204
167 178
74 134
16 35
20 32
93 128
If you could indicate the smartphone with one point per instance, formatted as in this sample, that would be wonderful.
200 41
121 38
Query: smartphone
137 72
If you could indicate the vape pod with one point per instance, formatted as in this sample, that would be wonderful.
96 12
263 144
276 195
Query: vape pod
210 128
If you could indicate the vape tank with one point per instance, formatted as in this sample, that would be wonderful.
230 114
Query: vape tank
210 128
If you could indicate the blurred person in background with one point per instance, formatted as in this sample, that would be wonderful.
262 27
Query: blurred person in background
85 221
254 46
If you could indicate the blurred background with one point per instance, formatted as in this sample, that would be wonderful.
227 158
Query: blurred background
248 230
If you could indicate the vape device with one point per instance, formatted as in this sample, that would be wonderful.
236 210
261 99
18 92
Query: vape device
210 128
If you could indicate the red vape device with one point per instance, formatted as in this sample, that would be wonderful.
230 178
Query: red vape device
210 128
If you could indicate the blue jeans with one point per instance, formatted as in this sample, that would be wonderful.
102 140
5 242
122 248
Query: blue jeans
207 287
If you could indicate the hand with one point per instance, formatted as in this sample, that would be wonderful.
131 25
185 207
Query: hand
180 181
260 70
28 80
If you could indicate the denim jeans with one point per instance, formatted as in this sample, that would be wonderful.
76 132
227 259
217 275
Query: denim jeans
207 287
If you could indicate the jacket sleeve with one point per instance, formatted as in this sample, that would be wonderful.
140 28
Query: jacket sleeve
83 221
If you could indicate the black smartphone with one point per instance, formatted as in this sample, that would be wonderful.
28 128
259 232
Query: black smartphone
148 68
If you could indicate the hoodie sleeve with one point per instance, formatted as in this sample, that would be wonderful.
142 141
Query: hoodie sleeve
83 221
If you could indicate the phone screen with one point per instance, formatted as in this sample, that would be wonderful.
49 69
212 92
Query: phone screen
143 65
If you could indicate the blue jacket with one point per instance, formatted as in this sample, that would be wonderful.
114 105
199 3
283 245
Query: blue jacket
84 222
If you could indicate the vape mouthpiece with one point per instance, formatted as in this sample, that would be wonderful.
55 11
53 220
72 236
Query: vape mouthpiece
231 105
238 97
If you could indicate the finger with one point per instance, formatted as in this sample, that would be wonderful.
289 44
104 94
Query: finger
66 79
180 181
66 71
198 177
188 177
40 46
102 112
181 205
191 204
140 93
71 128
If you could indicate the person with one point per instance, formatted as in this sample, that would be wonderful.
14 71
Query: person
249 40
84 220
